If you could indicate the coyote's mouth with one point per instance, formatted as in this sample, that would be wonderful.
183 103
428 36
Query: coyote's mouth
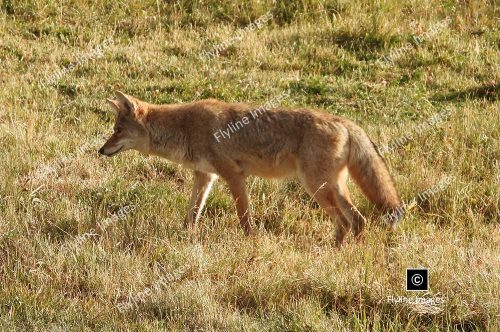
116 151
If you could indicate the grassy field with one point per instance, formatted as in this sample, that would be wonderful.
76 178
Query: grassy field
92 243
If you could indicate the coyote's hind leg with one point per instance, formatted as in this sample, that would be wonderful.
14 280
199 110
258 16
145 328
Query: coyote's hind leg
320 188
358 221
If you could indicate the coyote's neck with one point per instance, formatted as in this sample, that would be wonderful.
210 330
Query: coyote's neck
166 134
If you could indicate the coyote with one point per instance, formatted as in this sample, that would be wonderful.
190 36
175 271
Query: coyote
234 140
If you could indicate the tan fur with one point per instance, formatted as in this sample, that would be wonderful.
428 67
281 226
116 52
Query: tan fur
317 147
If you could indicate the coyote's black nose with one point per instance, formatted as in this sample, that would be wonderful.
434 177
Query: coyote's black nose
101 150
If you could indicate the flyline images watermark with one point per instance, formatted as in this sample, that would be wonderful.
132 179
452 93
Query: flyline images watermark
121 214
134 299
96 53
430 122
234 126
50 168
397 213
216 50
416 300
399 52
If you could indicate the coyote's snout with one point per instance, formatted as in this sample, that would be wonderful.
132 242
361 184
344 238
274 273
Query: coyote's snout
320 149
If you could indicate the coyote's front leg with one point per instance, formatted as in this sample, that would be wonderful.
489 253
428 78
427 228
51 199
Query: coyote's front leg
202 185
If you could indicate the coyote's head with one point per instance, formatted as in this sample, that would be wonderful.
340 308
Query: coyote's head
129 130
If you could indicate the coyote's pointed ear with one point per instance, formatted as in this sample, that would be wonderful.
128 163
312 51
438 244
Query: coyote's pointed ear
114 103
127 101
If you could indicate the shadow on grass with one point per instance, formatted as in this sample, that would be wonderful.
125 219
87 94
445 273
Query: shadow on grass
364 45
488 92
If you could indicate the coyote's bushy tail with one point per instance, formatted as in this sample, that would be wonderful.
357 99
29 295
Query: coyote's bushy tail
369 171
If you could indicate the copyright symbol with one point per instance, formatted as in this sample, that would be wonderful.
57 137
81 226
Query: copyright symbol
417 279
